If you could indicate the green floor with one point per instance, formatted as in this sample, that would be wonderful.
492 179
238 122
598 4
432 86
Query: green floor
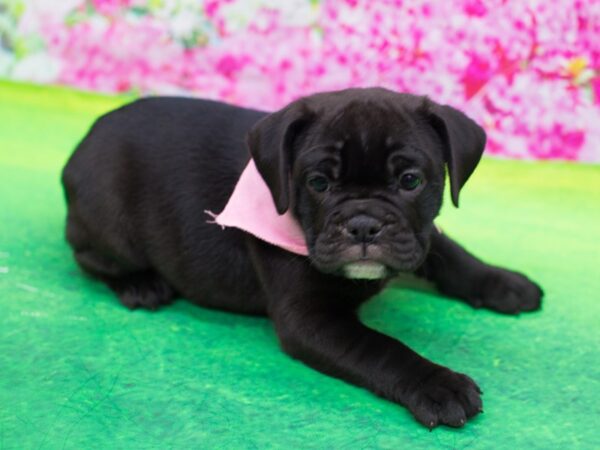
79 371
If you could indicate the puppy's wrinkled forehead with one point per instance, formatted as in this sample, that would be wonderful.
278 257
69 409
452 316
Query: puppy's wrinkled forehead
362 134
367 127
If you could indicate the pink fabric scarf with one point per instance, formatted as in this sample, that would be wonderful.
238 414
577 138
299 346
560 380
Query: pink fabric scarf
251 208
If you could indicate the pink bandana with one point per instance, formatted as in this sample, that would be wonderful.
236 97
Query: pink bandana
251 208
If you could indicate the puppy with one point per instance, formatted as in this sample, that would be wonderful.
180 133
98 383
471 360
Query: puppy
360 172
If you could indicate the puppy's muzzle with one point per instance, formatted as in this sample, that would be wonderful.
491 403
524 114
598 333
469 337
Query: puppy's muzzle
364 230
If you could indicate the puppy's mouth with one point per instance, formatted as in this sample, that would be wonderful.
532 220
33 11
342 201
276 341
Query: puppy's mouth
365 270
367 262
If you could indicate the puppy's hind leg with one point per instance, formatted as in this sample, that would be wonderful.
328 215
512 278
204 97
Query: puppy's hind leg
135 289
135 284
142 290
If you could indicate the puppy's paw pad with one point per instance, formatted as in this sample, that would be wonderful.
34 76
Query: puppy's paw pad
445 398
509 292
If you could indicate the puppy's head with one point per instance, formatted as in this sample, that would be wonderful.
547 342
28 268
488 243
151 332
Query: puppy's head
363 171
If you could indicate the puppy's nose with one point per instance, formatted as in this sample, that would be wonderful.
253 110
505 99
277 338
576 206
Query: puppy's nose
363 228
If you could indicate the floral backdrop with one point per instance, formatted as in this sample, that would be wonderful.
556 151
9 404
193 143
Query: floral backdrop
529 71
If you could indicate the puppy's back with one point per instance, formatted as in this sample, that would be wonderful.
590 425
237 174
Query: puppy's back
139 182
168 139
161 130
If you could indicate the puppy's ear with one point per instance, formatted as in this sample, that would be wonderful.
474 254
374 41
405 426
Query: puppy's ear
271 143
463 141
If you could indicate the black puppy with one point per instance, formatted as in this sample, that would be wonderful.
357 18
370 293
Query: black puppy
362 171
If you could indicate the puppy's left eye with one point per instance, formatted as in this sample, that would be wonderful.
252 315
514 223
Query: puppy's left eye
410 181
318 183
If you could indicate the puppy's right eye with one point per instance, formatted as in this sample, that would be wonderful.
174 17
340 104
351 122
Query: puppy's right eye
318 183
410 181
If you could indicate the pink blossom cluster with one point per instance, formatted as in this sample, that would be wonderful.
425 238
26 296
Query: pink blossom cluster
529 71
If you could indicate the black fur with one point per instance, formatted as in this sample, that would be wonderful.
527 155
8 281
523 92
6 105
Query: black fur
139 184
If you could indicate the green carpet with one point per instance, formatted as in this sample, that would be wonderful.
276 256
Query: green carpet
79 371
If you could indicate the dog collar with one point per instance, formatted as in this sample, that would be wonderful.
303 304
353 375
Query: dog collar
251 209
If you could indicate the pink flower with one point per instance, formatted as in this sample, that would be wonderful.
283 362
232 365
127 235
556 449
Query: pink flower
110 7
528 71
596 90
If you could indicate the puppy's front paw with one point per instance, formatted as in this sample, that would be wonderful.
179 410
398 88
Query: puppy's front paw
508 292
445 398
